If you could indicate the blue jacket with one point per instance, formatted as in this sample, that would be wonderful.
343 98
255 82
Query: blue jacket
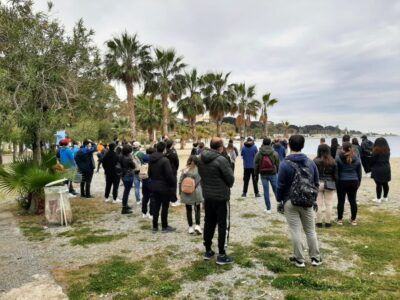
349 172
286 174
67 158
84 159
249 152
281 151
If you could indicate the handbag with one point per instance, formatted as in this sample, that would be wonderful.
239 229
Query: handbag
77 177
329 185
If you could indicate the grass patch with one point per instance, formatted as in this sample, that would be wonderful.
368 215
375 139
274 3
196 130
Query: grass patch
199 270
146 226
34 232
85 236
248 216
84 210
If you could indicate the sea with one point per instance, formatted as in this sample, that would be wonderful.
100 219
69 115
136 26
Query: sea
311 145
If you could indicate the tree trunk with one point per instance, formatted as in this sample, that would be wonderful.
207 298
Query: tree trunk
165 120
150 132
1 153
15 145
37 153
20 149
218 128
131 104
193 129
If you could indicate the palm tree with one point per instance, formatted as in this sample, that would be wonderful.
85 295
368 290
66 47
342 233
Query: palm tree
121 127
286 126
266 103
219 97
149 114
127 61
166 80
192 105
246 106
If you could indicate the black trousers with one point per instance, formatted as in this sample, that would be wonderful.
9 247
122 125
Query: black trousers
382 186
112 181
86 182
160 201
249 173
189 209
350 189
146 202
215 214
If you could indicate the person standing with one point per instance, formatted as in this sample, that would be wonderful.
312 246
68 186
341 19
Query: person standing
366 153
138 160
113 171
296 193
280 149
216 181
334 147
174 161
233 153
147 205
67 159
349 180
380 168
328 174
101 151
356 145
191 193
86 165
128 171
266 164
195 149
249 152
163 186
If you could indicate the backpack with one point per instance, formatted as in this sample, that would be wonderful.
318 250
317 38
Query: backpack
303 191
188 185
144 172
267 166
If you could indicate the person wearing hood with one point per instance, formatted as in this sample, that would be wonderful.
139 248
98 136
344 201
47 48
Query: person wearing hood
86 165
299 218
173 158
249 152
266 164
216 181
110 161
280 149
128 167
349 169
163 186
366 153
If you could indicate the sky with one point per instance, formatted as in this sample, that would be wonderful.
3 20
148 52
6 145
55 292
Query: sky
328 62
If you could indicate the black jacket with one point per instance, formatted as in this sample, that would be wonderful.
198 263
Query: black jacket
128 166
326 172
84 159
163 180
110 160
173 159
380 167
216 176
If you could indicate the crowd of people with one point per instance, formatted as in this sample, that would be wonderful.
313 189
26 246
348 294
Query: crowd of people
304 189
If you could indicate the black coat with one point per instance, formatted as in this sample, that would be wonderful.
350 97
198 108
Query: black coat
84 159
110 160
173 159
380 167
216 176
326 172
128 166
163 180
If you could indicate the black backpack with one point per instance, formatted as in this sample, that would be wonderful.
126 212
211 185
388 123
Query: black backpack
303 191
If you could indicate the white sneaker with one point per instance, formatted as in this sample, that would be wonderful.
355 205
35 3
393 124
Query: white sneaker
198 230
149 216
139 202
377 200
117 201
385 199
71 195
144 216
191 230
177 203
106 200
267 211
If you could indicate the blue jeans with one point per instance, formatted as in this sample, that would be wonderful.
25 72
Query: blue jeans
136 182
266 179
128 181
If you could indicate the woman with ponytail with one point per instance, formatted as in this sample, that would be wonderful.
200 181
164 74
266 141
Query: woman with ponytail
349 180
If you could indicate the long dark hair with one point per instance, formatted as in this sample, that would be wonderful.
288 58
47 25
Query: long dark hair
324 153
381 146
355 142
334 143
348 152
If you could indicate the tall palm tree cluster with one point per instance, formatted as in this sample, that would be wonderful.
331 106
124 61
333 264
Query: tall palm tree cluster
160 76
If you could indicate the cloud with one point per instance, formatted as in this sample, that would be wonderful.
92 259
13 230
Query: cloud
329 62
